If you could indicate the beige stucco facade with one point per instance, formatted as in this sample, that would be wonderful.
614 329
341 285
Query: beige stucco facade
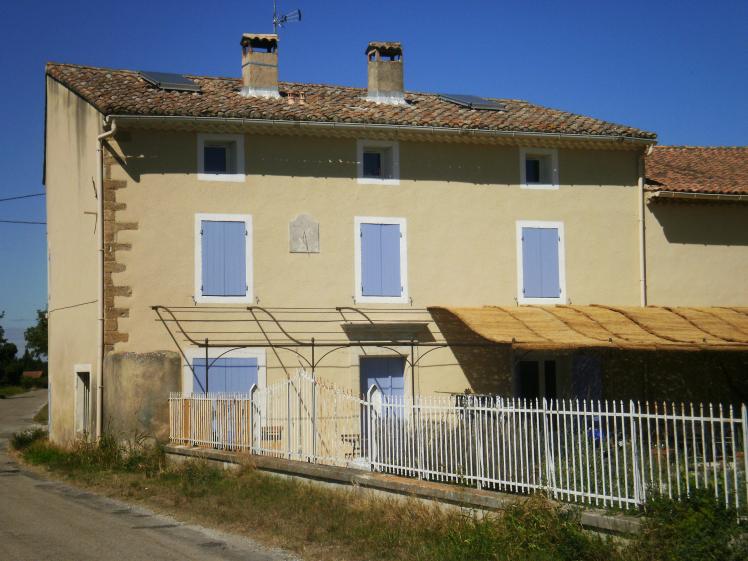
71 128
697 253
460 203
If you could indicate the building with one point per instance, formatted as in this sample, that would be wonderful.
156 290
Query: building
258 226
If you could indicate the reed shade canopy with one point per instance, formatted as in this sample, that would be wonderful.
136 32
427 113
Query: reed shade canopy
594 326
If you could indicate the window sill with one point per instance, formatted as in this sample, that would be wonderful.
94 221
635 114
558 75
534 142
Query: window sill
377 181
228 177
223 299
542 301
547 186
382 299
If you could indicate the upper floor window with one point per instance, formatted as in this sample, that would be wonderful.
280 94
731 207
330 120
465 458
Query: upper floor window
538 168
220 157
381 260
541 277
223 258
378 162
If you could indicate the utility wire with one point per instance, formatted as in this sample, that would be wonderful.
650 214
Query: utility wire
20 222
22 197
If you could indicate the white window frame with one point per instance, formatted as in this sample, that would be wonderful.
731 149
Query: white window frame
553 153
191 353
561 262
394 145
238 139
77 422
198 296
359 297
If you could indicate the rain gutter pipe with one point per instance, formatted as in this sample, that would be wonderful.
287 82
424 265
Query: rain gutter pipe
100 288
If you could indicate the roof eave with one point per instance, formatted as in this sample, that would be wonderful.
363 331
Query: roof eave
431 133
662 195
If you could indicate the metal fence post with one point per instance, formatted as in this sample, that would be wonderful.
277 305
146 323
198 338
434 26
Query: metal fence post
288 418
549 471
479 442
635 454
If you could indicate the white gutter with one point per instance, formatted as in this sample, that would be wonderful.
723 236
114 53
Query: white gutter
371 127
100 288
726 197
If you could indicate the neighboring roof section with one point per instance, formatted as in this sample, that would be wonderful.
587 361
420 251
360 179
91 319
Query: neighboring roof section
124 92
635 328
698 169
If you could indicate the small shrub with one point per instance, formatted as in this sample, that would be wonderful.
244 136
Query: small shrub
24 439
696 528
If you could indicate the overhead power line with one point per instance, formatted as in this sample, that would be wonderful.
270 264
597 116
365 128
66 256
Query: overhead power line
22 197
20 222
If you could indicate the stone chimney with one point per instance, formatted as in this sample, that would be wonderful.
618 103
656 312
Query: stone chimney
259 65
385 67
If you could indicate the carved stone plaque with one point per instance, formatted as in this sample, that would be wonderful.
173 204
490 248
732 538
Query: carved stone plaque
304 235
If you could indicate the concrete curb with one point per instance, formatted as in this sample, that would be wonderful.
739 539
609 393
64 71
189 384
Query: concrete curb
465 497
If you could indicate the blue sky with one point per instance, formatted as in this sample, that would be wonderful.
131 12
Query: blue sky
679 68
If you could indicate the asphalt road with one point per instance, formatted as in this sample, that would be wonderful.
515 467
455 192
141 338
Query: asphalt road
46 520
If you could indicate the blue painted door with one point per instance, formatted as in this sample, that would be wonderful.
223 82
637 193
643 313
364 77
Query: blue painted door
540 265
224 258
380 260
387 373
225 375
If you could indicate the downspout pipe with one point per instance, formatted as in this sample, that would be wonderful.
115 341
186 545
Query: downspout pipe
642 227
100 288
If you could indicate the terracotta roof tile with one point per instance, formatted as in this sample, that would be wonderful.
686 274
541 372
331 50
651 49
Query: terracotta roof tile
698 169
124 92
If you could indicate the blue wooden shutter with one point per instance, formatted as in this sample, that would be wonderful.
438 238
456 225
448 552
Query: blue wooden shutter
224 258
380 260
371 260
387 373
540 268
241 374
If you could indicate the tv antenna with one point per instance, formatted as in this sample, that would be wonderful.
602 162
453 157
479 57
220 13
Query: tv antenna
280 21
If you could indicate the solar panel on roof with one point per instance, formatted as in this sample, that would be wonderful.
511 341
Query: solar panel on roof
473 102
169 81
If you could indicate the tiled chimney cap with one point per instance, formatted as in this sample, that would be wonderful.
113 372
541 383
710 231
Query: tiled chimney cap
259 39
385 48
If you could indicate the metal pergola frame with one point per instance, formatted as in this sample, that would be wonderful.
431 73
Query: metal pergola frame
166 315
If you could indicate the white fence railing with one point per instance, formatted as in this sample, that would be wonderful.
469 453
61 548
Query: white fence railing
605 453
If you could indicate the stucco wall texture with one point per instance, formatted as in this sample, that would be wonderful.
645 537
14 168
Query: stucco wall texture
697 254
461 204
72 126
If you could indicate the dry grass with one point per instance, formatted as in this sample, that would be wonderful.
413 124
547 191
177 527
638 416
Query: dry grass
329 524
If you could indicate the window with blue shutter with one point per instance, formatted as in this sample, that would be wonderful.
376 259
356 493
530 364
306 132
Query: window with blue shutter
380 260
540 264
225 375
224 258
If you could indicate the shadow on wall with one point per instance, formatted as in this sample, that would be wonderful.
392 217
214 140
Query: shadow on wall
703 223
676 376
145 152
488 367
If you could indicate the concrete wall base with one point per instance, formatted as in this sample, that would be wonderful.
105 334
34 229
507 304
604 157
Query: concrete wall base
463 497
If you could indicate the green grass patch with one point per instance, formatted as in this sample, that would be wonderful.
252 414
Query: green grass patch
42 416
7 391
323 523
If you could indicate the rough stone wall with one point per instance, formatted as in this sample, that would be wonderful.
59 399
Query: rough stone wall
488 367
112 332
136 390
716 377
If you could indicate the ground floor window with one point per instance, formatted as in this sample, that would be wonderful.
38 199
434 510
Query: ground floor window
536 379
228 370
83 400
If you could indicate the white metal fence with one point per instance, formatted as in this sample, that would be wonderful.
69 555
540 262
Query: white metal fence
605 453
